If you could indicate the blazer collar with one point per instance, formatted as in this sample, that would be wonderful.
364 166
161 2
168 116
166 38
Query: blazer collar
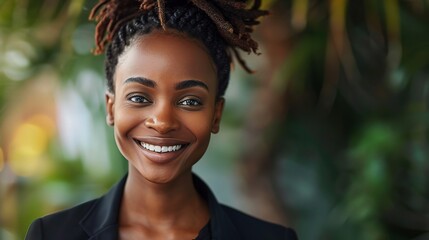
101 222
221 225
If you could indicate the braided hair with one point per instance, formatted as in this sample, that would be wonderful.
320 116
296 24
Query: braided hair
223 26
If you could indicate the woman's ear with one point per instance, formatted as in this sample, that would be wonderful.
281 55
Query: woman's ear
218 114
110 102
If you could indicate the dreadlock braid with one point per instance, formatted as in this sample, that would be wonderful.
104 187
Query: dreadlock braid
223 26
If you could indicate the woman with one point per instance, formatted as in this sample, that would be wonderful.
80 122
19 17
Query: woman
167 69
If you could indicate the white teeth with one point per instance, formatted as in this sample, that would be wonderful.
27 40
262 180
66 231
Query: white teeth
159 149
164 149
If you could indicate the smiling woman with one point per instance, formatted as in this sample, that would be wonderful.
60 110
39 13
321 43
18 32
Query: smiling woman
167 69
172 104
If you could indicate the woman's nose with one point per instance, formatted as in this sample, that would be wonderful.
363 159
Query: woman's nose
163 119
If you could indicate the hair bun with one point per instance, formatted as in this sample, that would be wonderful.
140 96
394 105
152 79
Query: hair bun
233 19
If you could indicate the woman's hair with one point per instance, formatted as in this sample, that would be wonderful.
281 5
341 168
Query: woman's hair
223 26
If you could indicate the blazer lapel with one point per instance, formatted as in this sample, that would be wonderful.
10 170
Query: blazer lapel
101 222
222 228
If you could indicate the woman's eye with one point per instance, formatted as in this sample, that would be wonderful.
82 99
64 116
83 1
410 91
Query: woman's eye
190 102
138 99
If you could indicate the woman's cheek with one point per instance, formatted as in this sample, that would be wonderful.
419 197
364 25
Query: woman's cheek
128 118
200 124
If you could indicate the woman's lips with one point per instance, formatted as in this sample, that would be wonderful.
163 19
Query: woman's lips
161 151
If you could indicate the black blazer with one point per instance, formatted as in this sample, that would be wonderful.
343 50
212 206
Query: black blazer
98 219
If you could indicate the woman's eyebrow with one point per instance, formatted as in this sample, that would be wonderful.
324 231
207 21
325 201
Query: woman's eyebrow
141 80
191 83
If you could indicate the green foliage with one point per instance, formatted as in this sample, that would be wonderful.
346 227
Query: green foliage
360 128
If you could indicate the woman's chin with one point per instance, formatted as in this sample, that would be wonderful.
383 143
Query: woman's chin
158 176
159 179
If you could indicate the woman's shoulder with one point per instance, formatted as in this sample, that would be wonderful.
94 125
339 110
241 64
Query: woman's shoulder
70 214
96 217
64 224
254 228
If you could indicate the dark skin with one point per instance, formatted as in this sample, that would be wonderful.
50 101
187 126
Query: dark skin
164 110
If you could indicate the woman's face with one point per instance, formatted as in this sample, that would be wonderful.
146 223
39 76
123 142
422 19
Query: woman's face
164 107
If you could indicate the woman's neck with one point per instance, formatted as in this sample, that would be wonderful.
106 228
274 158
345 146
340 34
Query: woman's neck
162 207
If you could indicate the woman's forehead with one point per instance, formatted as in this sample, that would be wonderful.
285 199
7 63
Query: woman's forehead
166 55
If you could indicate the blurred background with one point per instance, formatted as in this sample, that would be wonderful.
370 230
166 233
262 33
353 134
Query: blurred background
329 136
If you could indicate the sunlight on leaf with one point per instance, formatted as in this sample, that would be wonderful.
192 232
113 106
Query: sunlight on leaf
29 145
1 159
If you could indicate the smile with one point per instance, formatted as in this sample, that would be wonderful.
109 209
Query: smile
161 149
